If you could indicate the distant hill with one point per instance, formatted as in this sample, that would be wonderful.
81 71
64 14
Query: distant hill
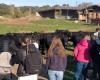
16 12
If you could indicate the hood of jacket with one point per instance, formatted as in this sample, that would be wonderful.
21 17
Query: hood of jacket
84 42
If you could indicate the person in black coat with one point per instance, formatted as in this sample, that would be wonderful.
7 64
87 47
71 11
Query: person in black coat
21 55
29 57
95 56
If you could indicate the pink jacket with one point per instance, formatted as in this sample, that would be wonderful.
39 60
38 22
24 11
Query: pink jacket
81 51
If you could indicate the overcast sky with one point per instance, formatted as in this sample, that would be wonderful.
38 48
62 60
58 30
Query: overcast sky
46 2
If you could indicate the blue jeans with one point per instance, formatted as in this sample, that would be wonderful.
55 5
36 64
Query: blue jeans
81 71
55 75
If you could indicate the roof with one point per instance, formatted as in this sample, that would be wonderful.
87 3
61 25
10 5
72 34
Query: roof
66 8
85 7
58 7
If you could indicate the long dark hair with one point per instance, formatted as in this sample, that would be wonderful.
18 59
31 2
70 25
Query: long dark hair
56 42
26 40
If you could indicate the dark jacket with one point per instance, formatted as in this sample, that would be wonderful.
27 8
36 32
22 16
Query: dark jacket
30 60
57 62
95 50
97 46
21 56
33 60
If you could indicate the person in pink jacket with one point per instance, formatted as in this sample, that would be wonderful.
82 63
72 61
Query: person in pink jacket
82 56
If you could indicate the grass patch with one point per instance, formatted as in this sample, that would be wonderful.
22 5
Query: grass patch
45 25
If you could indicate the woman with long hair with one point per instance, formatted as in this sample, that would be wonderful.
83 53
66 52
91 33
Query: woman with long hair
57 60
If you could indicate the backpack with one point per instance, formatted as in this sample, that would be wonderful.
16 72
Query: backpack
33 60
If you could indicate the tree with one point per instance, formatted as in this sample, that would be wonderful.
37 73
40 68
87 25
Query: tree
17 12
84 4
65 5
12 12
56 5
4 9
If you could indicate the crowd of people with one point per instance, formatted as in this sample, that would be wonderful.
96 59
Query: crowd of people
86 52
29 58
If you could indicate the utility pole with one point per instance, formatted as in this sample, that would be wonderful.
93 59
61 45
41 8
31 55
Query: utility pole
86 11
76 3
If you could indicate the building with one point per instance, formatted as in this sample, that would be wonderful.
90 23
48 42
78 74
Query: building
86 13
60 12
89 13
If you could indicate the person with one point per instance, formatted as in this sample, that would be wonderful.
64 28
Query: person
29 57
95 40
82 56
21 55
56 60
96 34
5 57
95 55
5 67
36 43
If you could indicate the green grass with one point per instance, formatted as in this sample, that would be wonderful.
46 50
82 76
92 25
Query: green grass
45 25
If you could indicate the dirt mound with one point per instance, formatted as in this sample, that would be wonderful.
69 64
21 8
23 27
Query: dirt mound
3 19
22 20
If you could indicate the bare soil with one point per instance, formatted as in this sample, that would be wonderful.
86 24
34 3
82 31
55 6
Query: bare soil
22 20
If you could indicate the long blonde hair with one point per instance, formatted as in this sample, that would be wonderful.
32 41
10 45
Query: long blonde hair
56 42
